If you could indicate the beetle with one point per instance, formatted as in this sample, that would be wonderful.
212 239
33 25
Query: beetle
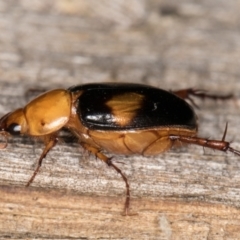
120 118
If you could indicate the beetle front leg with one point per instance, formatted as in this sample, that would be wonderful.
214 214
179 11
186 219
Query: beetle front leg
50 141
109 162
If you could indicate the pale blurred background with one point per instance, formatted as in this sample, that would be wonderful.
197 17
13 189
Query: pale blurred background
170 44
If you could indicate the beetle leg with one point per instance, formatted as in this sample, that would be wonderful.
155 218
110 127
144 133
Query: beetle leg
188 92
127 201
109 162
50 141
220 145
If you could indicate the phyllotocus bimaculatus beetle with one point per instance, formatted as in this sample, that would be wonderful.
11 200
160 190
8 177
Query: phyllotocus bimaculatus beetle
116 117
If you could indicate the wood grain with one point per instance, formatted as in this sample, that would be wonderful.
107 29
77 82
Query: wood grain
32 213
186 193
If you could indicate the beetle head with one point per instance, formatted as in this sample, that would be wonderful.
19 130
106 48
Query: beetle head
13 123
44 115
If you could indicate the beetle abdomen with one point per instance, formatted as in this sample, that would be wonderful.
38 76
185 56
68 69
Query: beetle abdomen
145 142
131 106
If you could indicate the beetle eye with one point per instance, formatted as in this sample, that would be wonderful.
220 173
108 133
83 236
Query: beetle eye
14 129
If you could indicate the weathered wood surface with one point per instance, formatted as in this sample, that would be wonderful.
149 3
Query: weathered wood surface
182 194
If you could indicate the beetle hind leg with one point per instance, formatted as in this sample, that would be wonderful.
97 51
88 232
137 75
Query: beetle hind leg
109 162
220 145
188 92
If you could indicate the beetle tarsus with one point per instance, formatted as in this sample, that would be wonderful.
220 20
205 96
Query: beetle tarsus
230 149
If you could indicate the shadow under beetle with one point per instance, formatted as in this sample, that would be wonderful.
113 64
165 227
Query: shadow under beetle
117 117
